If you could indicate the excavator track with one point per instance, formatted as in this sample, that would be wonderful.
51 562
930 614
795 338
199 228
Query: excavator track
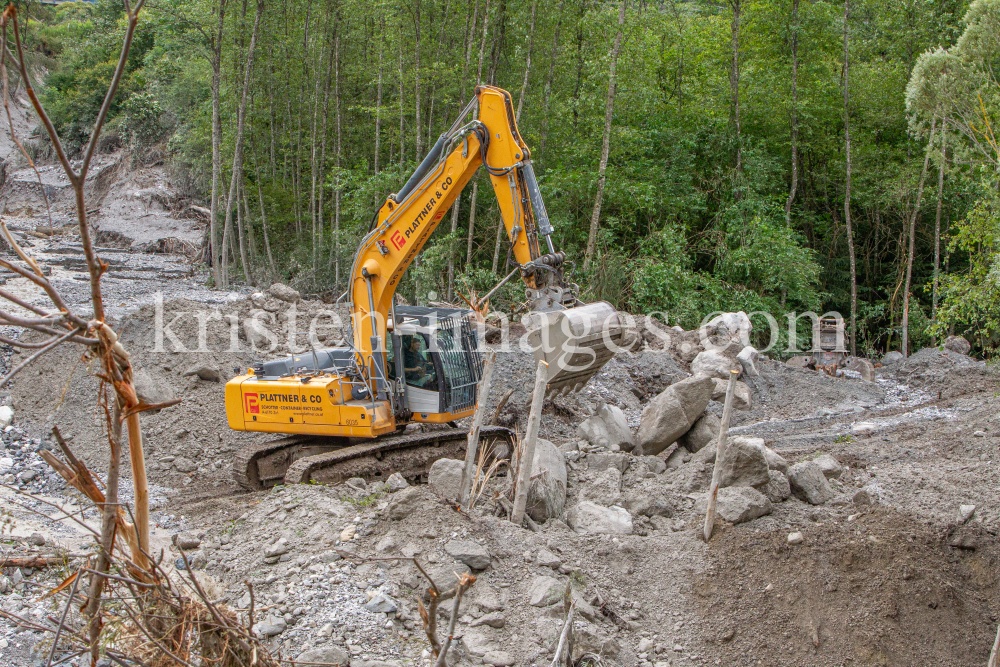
319 460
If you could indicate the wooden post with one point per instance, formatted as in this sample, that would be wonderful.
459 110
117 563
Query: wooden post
720 450
472 448
530 436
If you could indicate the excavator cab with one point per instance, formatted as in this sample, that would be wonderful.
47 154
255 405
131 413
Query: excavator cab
434 362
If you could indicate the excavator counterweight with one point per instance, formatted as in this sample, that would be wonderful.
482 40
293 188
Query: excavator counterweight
346 406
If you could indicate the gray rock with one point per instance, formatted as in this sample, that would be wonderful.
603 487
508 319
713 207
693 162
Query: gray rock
742 399
330 655
598 461
27 475
671 414
446 576
830 466
965 512
703 432
735 326
744 463
382 603
592 519
186 541
471 553
748 359
270 627
777 488
861 366
775 461
737 504
184 464
476 643
279 548
493 619
798 361
546 558
714 363
445 478
795 538
6 585
404 503
545 591
38 540
547 490
589 638
396 482
284 293
150 390
679 457
608 428
605 489
957 344
208 371
809 483
892 357
498 659
654 464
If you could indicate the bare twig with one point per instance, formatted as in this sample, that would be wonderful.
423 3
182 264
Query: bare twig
464 583
564 635
62 619
51 345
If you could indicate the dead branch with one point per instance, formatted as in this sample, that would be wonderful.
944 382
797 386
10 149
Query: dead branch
464 583
564 635
34 562
62 619
500 406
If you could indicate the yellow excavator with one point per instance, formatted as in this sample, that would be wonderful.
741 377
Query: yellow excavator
344 410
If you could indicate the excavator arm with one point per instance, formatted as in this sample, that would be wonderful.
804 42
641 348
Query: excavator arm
574 339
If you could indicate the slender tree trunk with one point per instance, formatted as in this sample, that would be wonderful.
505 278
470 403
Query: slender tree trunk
340 153
847 183
496 48
937 225
251 234
609 108
263 220
912 242
475 184
434 78
242 237
402 141
238 150
548 81
213 234
496 247
322 150
314 166
795 114
734 81
527 63
469 41
416 75
378 98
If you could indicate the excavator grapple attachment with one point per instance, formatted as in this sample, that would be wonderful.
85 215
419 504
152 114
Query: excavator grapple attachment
575 343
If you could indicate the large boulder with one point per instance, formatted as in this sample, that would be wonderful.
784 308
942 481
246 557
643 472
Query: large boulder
735 326
892 357
714 363
471 553
957 344
608 428
744 463
411 499
592 519
445 477
284 293
737 504
809 483
547 490
545 591
671 414
705 431
742 399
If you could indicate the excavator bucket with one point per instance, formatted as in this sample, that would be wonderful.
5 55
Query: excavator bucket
576 343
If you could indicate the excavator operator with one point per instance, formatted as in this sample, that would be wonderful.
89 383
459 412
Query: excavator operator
417 367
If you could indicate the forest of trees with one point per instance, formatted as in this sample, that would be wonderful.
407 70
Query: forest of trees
695 155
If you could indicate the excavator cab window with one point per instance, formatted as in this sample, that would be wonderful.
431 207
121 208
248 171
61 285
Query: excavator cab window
418 366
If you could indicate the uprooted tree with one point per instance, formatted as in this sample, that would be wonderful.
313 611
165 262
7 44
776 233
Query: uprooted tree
132 611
